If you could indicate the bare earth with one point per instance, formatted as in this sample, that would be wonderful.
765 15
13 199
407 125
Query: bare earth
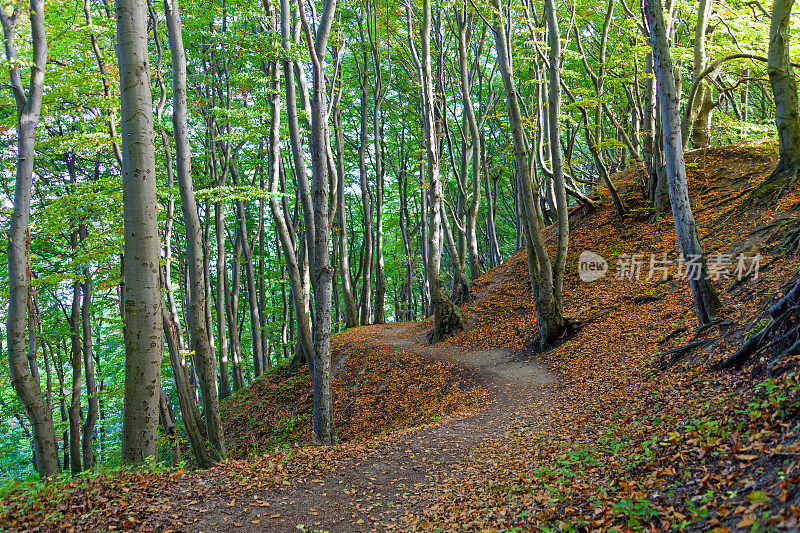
373 492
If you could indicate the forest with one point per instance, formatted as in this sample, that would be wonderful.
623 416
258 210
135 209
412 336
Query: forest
200 198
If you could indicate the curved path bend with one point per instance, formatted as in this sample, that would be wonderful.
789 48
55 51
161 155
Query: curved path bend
372 493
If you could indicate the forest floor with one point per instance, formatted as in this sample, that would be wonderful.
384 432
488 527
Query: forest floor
401 474
624 425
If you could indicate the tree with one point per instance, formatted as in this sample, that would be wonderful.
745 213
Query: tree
24 376
784 89
142 296
697 121
198 327
705 297
546 277
324 428
448 318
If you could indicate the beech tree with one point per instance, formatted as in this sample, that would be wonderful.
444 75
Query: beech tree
448 317
546 277
784 89
198 326
24 374
142 296
705 297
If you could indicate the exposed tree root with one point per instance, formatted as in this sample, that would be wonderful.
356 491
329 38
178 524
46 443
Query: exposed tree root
676 354
780 182
781 336
571 327
449 321
790 243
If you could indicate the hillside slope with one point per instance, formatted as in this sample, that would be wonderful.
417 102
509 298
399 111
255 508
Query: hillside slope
471 434
645 435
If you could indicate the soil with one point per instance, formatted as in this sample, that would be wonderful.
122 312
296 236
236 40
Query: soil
372 493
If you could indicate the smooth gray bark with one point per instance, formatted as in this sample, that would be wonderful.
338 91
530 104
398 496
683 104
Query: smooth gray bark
76 362
698 116
474 152
784 89
142 297
88 365
365 308
195 313
448 318
350 306
705 298
324 427
28 107
549 313
252 300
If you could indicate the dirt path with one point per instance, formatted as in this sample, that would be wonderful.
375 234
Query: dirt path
371 493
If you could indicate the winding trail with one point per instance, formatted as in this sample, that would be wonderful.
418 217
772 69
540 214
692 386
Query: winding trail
373 492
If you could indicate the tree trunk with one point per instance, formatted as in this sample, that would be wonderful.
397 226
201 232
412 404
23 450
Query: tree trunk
279 216
252 295
167 419
350 305
191 421
365 311
697 121
144 335
448 318
544 276
705 298
475 151
377 136
196 318
554 109
222 336
232 314
58 363
324 428
784 89
88 363
28 110
76 361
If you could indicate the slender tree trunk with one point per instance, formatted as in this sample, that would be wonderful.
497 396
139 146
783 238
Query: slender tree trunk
28 108
58 363
196 318
191 420
283 230
705 298
287 312
167 420
324 428
262 289
222 336
88 363
350 306
474 132
543 275
252 294
697 121
554 109
377 136
448 317
232 314
76 361
143 327
784 89
366 202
